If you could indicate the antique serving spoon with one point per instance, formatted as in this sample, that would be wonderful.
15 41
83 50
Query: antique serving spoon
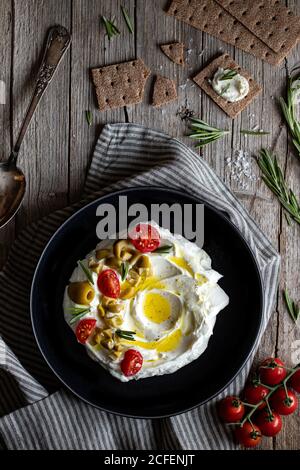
12 179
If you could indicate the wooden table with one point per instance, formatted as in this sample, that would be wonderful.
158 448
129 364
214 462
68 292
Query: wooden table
59 144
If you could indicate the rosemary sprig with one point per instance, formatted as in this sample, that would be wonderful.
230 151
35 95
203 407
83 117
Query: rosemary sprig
250 132
164 249
89 117
129 335
78 313
124 270
228 74
87 272
127 19
205 133
288 106
274 179
111 29
293 309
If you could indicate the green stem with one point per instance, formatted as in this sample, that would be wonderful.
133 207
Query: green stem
266 399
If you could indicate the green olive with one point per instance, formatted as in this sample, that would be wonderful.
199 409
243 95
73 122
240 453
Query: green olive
81 293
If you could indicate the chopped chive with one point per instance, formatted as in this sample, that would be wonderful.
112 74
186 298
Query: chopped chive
111 29
124 270
164 249
127 19
228 75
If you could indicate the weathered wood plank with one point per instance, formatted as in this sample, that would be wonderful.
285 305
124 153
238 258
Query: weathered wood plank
44 155
91 48
6 28
288 346
154 28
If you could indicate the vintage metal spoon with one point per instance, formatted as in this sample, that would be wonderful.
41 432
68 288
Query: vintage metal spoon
12 179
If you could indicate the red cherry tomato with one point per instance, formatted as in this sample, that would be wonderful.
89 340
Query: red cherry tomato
84 330
231 410
294 381
269 424
145 238
132 363
284 403
254 393
109 284
248 435
272 371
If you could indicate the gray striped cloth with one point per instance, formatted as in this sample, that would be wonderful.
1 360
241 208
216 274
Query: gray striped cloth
36 413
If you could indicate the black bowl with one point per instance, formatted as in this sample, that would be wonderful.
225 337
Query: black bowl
235 332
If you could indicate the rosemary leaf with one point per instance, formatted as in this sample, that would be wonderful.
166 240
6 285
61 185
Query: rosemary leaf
288 107
89 117
87 272
124 270
246 132
273 177
228 74
204 133
127 19
293 310
111 29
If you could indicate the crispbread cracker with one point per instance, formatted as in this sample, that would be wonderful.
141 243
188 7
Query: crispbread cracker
120 84
174 51
210 17
226 62
164 91
269 20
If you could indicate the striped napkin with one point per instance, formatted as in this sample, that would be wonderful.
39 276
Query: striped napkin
36 413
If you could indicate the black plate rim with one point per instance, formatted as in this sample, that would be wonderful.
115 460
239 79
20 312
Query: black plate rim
220 214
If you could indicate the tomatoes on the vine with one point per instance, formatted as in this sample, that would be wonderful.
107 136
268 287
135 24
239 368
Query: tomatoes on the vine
294 381
284 401
231 409
269 424
145 238
248 434
254 393
84 329
132 363
109 284
272 371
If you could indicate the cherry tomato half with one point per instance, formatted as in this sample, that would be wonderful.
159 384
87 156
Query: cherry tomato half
294 381
132 363
269 424
84 330
231 409
284 403
109 284
272 371
145 238
254 393
248 435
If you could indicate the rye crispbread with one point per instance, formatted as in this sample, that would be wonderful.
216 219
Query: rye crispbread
226 62
269 20
164 91
120 84
210 17
174 51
